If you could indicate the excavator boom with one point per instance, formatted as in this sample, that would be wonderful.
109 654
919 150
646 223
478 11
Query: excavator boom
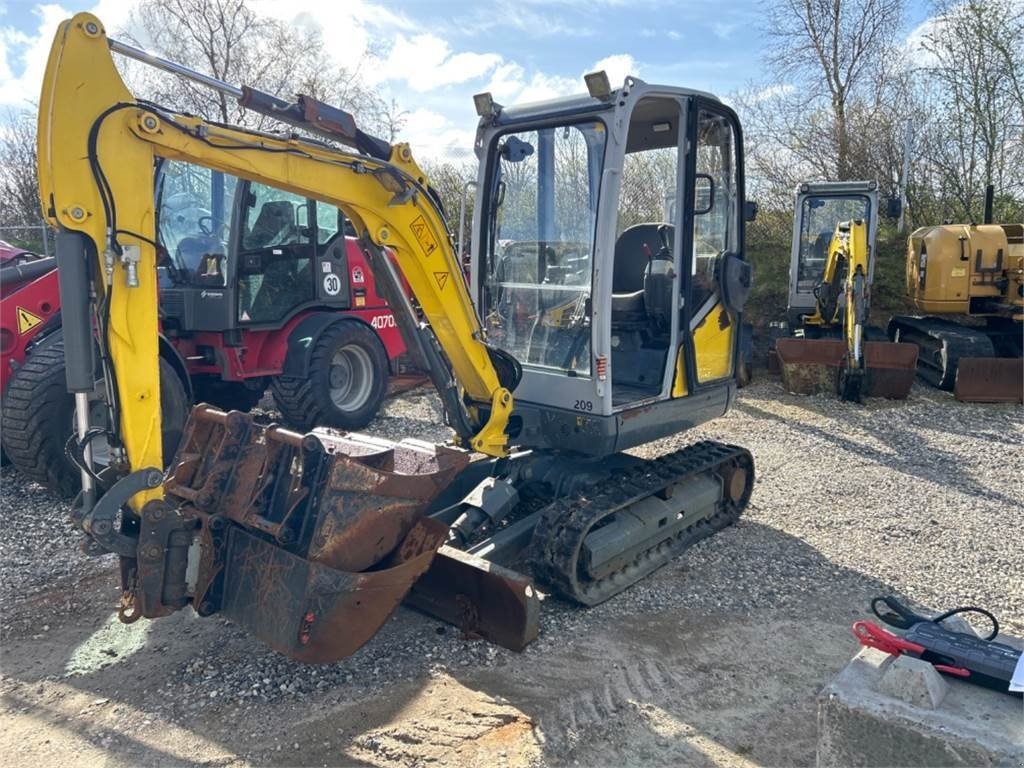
310 542
97 153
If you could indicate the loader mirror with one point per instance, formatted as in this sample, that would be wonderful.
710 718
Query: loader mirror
703 194
893 207
750 210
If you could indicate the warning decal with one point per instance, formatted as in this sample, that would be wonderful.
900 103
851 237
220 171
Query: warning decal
421 232
27 321
442 278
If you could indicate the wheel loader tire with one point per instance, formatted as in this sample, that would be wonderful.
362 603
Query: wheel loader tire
346 383
228 395
38 418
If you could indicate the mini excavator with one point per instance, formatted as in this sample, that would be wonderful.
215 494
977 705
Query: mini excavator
831 270
611 327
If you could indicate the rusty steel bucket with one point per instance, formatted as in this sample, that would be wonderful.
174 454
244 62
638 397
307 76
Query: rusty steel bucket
989 380
890 369
810 366
307 541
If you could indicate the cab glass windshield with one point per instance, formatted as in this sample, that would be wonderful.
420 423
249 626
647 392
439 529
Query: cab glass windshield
537 280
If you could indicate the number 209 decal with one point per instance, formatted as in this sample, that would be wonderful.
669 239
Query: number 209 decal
584 405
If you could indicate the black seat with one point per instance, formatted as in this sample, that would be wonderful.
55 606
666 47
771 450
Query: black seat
273 226
628 269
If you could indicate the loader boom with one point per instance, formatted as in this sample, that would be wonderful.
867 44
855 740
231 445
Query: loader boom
97 151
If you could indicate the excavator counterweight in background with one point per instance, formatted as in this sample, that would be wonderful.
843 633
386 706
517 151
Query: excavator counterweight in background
967 281
610 329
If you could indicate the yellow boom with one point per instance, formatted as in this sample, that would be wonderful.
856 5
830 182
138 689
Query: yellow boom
97 151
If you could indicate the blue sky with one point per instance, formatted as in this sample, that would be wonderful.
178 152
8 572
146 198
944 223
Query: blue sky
438 53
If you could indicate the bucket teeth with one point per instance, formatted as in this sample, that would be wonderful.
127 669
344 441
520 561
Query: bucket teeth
309 541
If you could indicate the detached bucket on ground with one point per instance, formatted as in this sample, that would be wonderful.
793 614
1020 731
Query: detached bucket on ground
990 380
810 366
890 369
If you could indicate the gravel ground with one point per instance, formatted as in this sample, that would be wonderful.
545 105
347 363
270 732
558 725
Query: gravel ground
921 498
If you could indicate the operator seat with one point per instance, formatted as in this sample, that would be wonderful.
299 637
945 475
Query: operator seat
630 264
273 225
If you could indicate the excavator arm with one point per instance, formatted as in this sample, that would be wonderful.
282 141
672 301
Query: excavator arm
98 147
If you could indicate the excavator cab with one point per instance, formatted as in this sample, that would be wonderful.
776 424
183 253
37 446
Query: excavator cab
819 207
590 324
615 313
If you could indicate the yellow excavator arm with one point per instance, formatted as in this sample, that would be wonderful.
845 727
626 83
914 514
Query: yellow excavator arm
846 274
98 147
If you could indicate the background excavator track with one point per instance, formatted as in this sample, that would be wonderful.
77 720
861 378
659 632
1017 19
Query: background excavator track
565 523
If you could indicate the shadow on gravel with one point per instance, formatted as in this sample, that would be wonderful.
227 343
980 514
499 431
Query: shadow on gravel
934 464
715 658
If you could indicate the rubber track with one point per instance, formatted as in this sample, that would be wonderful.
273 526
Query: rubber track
559 536
941 344
34 398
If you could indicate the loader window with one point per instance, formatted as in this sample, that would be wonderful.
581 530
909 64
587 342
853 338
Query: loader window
543 192
194 221
276 255
819 215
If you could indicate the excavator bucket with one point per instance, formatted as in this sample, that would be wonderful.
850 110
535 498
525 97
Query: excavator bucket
810 366
890 369
307 541
989 380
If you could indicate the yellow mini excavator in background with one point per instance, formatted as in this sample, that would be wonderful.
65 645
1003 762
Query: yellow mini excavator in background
831 271
612 327
968 281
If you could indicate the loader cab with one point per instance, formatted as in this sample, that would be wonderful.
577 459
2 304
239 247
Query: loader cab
819 207
606 228
239 254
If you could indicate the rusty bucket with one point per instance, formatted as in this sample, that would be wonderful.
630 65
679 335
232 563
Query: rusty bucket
307 541
989 380
810 366
890 369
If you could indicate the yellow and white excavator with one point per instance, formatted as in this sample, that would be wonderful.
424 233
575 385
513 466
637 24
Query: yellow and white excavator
831 270
608 335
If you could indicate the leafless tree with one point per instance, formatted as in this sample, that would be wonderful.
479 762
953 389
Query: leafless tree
230 41
836 50
971 111
19 182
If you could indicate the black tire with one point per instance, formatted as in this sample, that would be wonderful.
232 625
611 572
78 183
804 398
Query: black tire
350 352
229 395
38 418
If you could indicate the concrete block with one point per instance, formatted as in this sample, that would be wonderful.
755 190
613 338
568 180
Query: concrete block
913 681
861 724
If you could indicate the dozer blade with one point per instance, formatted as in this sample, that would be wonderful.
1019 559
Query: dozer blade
308 541
482 598
990 380
890 369
810 366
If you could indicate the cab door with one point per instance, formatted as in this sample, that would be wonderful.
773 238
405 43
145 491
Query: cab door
715 274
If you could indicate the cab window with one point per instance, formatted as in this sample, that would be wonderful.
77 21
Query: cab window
276 257
715 203
194 221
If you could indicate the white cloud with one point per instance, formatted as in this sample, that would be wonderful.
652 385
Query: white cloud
433 136
722 30
25 53
424 71
426 61
618 66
